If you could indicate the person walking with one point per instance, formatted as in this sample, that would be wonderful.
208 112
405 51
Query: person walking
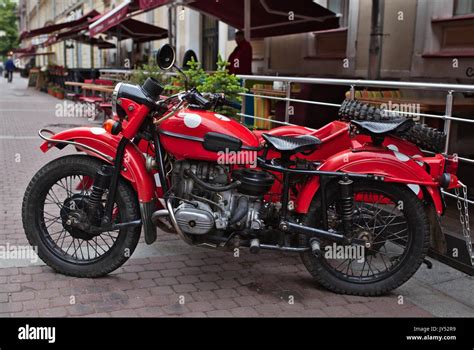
241 58
9 67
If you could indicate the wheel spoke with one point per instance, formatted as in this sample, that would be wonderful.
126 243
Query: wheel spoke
378 219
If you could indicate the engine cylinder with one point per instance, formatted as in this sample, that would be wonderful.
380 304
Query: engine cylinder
253 182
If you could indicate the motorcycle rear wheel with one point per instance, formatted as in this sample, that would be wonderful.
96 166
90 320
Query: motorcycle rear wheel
408 246
43 208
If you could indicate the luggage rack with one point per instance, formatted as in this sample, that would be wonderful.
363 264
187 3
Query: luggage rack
74 143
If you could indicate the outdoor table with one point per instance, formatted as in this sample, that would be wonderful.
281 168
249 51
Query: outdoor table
98 88
103 89
74 83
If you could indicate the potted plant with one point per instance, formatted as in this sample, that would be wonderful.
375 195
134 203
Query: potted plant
219 81
60 93
50 89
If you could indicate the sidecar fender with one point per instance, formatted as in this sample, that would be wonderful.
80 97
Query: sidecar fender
134 169
393 166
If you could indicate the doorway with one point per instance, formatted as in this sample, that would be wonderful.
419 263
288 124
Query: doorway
210 42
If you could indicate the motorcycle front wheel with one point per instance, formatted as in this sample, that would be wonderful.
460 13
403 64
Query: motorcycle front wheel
391 218
63 187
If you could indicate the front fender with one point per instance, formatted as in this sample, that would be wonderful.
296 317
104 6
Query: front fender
393 166
134 169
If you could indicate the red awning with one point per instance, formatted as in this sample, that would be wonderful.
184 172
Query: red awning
137 30
82 38
35 54
99 42
151 4
56 27
117 23
110 19
268 17
22 50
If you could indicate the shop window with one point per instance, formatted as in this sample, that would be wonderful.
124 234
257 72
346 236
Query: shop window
340 8
463 7
330 43
455 33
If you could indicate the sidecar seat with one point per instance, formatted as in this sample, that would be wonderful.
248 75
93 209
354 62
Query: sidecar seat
292 144
385 127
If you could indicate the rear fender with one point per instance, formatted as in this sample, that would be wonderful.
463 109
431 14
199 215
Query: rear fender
393 166
134 169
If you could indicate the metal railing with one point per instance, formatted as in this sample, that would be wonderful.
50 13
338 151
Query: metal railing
449 89
352 84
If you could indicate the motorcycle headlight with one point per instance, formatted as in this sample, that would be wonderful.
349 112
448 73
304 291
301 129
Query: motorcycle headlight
115 96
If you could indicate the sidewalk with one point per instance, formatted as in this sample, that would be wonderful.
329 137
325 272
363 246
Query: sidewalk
170 278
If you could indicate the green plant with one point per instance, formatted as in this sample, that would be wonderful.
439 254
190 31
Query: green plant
148 70
195 74
219 81
9 25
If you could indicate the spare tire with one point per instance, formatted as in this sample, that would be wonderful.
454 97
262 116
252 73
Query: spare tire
425 137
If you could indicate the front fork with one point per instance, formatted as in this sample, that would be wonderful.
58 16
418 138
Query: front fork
107 178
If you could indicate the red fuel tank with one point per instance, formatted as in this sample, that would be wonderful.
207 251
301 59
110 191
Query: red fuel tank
186 135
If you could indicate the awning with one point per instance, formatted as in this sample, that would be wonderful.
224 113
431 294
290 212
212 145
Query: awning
117 23
151 4
35 54
137 30
82 38
110 19
56 27
268 17
99 42
23 50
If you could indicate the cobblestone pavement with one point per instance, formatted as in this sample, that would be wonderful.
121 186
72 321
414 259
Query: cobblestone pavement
170 278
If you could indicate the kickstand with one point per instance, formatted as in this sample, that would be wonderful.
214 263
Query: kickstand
428 264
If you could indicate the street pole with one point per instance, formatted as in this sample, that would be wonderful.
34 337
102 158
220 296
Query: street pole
65 53
247 20
376 39
172 25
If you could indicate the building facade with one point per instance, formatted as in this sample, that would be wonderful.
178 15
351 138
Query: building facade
422 39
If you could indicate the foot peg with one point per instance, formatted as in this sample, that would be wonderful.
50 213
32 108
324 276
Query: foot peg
254 246
315 247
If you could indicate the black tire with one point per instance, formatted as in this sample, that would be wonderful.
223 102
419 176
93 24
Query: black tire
417 244
423 136
33 215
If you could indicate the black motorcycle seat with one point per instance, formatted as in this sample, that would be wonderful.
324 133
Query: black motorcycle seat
383 127
292 144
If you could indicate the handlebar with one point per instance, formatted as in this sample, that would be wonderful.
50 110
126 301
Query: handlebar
220 99
197 97
206 100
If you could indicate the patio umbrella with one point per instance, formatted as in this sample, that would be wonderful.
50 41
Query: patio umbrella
267 18
82 38
137 31
261 18
116 23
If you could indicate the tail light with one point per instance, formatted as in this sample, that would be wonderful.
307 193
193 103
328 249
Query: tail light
451 164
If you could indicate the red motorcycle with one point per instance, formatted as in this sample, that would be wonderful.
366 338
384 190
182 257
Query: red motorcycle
355 200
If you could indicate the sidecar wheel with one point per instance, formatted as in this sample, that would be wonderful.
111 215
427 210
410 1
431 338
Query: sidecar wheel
55 189
393 221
